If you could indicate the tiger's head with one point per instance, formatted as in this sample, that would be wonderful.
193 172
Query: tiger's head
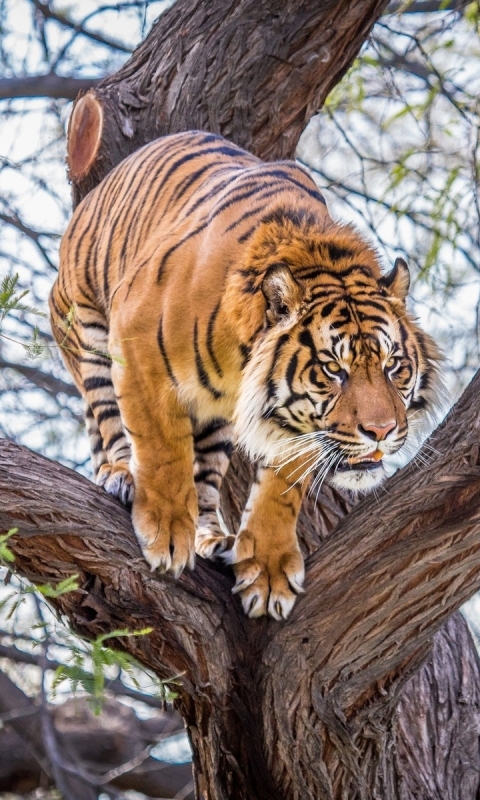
340 369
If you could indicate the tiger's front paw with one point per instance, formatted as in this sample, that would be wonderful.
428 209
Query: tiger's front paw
117 480
268 580
167 539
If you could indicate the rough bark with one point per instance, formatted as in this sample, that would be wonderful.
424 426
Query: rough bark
437 724
253 70
317 694
306 709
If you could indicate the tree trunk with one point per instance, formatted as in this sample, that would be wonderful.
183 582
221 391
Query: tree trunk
254 71
308 708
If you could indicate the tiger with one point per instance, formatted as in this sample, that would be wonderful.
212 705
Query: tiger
206 299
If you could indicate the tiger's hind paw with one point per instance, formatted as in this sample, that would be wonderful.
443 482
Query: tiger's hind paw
117 480
212 543
267 583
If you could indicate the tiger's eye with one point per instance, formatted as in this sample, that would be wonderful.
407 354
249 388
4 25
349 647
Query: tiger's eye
332 366
391 362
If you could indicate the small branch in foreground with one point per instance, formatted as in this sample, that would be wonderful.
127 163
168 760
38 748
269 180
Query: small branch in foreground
47 13
425 6
42 380
50 85
116 686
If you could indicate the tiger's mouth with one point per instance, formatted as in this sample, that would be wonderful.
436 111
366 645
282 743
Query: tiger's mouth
359 473
369 462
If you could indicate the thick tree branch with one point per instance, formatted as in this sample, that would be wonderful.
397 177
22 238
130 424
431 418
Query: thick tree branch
254 71
376 591
431 545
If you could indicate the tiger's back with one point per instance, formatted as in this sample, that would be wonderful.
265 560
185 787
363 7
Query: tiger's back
189 280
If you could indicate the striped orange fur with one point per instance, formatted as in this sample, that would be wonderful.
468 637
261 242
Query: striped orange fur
206 297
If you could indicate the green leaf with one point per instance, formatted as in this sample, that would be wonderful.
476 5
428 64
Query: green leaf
6 555
11 298
69 584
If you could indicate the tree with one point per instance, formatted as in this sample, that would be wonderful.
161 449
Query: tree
309 708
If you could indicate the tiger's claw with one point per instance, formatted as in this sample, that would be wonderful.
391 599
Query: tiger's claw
268 582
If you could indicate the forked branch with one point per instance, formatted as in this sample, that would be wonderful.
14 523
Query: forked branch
376 590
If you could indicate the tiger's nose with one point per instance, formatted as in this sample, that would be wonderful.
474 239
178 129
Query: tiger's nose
377 432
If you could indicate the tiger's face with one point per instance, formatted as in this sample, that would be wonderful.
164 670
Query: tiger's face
337 375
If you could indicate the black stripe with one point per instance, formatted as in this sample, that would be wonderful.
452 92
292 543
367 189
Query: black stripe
98 361
107 414
245 352
185 159
98 447
161 345
212 427
148 184
201 371
114 439
175 246
245 236
291 370
373 318
217 447
278 349
98 403
210 335
92 325
267 191
313 272
328 308
306 339
371 303
185 184
107 195
311 192
225 148
202 476
134 195
89 384
336 253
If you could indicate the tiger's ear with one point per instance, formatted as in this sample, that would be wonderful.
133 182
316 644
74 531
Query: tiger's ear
282 293
397 282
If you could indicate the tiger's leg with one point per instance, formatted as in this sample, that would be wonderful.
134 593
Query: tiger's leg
84 346
115 477
267 561
165 511
213 449
97 453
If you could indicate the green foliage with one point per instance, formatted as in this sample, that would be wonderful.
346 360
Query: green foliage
6 555
11 298
472 13
93 679
88 666
69 584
